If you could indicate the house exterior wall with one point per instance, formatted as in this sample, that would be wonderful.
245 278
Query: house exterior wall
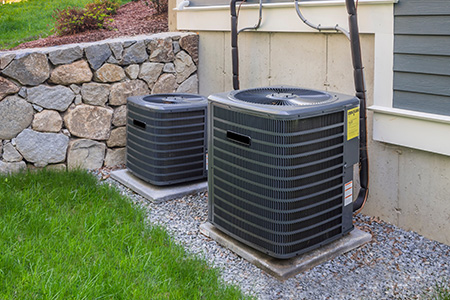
408 186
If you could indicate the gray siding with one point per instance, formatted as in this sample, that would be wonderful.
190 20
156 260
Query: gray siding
422 56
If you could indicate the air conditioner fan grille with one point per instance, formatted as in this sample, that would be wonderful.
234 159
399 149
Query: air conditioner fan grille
283 96
172 98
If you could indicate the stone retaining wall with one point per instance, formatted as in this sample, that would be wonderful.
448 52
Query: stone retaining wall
65 107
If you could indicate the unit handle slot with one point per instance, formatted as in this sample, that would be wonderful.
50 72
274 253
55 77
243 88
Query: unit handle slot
139 124
239 138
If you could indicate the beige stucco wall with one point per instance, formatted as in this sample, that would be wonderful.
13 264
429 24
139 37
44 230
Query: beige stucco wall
408 188
310 60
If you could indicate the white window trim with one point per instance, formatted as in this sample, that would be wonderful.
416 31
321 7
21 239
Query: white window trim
282 4
423 131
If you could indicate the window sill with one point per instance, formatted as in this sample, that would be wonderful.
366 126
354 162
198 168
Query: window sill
284 5
411 129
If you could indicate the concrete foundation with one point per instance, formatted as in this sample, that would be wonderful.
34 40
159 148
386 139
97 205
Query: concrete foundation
156 193
283 269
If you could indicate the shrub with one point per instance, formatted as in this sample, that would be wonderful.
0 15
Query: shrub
95 15
109 7
69 20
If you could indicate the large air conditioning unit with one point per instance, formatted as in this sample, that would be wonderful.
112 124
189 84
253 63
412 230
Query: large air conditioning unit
166 138
281 167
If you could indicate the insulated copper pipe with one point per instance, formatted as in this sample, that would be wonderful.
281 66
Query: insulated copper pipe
358 75
234 40
234 45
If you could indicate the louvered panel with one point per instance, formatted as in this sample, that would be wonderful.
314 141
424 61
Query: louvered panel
166 140
276 183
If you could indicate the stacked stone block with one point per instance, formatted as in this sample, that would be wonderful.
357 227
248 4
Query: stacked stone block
65 107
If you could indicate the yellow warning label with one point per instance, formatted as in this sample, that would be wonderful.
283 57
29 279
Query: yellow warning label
352 123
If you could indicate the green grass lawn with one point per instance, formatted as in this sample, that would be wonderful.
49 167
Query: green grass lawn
64 236
29 20
441 291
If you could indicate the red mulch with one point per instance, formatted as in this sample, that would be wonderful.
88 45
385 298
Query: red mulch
133 18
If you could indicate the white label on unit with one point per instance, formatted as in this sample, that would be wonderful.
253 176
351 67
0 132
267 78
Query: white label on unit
206 161
348 193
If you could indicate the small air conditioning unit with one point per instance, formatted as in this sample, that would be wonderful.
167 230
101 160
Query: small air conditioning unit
281 167
166 138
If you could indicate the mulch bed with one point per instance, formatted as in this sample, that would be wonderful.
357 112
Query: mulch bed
133 18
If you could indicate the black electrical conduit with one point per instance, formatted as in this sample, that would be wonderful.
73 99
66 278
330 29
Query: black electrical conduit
234 39
358 75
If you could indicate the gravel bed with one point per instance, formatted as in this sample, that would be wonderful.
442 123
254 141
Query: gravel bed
396 264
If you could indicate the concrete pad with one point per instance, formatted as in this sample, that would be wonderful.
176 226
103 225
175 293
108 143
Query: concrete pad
157 193
283 269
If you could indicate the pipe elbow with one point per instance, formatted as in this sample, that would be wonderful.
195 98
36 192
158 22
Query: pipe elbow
183 4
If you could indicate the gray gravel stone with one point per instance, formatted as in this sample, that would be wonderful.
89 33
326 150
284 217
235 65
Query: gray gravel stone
190 44
115 157
184 66
117 50
90 122
149 72
75 88
120 116
396 264
109 73
38 108
118 137
169 68
166 83
135 54
65 55
6 59
51 97
95 93
78 100
190 85
10 154
29 69
176 47
127 44
7 87
74 73
14 167
47 121
23 92
86 154
132 71
42 148
112 60
122 90
16 114
161 50
97 54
